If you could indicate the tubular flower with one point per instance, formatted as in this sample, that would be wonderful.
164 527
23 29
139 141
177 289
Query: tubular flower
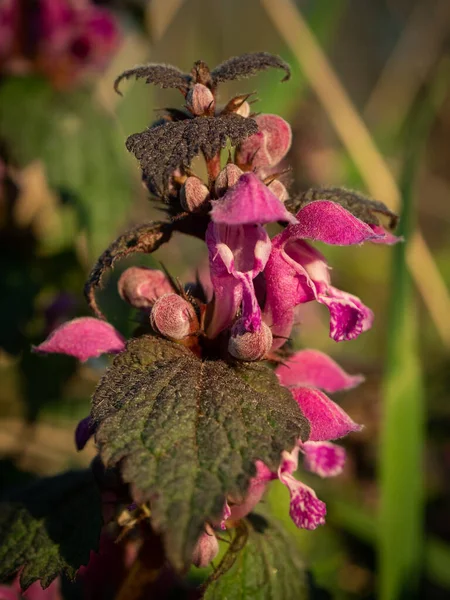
191 397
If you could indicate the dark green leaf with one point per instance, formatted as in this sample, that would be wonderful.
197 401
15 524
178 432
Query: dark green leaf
268 567
80 146
187 432
49 528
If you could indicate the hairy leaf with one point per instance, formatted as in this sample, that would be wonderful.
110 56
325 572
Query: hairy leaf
144 238
49 528
162 149
246 65
360 206
166 76
187 432
268 567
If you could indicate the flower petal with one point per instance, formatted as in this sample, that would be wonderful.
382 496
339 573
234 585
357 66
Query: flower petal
83 338
316 369
327 419
387 237
205 550
237 254
329 222
306 510
324 458
258 485
249 202
269 145
349 316
83 433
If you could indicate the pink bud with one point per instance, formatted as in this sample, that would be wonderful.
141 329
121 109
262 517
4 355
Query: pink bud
277 188
226 178
206 549
268 146
200 100
174 317
249 346
194 194
141 286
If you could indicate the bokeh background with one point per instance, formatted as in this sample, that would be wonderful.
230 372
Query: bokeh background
369 104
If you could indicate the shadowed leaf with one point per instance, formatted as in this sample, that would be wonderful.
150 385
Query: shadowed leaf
49 528
162 149
246 65
166 76
187 432
268 567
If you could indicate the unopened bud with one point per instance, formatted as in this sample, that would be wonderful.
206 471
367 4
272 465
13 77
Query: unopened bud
268 146
247 345
174 317
194 194
141 286
200 100
206 549
277 188
227 177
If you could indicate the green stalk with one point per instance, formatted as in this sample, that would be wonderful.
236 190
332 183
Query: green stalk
400 537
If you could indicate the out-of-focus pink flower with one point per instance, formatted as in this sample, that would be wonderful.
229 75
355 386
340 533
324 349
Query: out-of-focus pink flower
34 592
141 286
206 549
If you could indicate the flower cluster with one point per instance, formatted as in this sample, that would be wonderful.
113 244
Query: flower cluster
245 311
60 39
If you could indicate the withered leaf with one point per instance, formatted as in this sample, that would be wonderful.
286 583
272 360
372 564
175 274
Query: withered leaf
186 432
166 76
268 567
246 65
144 238
360 206
50 528
162 149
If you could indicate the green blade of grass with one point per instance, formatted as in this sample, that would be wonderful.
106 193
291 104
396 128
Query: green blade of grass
400 537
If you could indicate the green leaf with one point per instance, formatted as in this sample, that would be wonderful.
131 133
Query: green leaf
80 145
49 528
268 567
187 432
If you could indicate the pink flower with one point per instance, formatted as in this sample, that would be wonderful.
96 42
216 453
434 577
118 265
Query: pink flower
268 146
301 373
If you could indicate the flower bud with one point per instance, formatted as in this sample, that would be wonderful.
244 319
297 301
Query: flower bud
174 317
206 549
227 177
194 194
247 345
277 188
200 100
268 146
141 286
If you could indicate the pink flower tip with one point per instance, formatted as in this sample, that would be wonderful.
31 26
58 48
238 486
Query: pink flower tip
268 146
249 345
249 202
206 549
83 338
141 286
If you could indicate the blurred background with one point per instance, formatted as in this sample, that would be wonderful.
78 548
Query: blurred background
369 104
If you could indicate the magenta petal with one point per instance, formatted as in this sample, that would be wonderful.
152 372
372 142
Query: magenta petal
316 369
329 222
387 237
258 485
328 420
249 202
306 510
349 317
83 338
237 254
269 145
324 458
